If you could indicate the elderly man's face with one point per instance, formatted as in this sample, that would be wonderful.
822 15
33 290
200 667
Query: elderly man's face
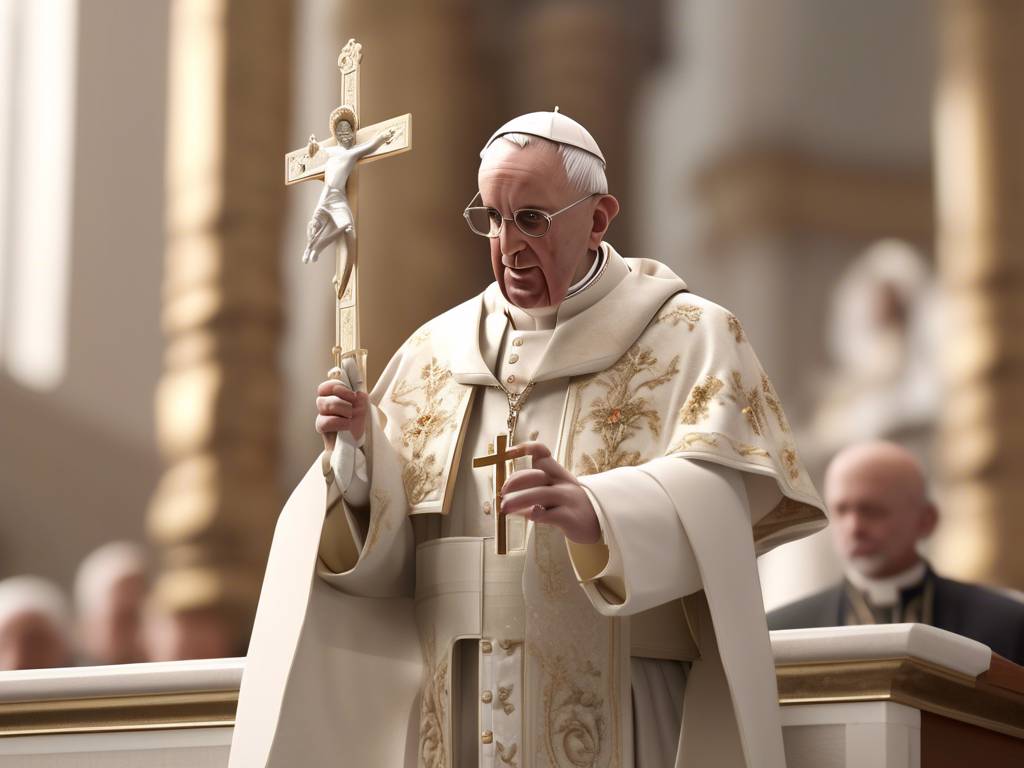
30 640
879 512
537 271
112 631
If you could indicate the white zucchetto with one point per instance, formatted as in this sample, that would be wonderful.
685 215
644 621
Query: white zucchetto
553 126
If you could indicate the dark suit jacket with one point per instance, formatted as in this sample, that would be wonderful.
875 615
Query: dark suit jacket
972 611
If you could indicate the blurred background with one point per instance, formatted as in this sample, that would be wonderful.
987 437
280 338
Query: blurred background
846 177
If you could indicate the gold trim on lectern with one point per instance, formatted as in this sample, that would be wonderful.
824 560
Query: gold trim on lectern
905 680
200 709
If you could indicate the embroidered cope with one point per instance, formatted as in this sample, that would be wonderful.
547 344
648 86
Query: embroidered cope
654 399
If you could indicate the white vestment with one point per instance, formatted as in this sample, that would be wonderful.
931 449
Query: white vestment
652 397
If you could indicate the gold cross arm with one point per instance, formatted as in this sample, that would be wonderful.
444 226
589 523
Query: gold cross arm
308 162
499 460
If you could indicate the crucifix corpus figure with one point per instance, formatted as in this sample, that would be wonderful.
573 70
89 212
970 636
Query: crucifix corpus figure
336 161
598 605
333 217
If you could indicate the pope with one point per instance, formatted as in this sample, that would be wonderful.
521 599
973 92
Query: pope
654 463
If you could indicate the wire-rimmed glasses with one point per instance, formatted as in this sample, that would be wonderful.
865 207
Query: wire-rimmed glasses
532 222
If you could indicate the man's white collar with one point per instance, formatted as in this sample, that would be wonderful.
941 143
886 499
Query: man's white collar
885 592
599 259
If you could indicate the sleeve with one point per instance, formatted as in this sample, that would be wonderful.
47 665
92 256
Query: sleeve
348 459
646 558
366 545
351 471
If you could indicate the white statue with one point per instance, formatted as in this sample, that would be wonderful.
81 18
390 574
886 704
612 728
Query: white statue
333 216
884 338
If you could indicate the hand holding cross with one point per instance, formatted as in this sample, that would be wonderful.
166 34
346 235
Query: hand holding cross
545 493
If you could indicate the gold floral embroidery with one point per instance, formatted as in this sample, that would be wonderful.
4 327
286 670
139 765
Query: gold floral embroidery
735 328
574 712
772 401
434 710
553 574
749 401
419 337
688 313
575 396
792 463
622 411
696 407
690 439
507 755
422 471
746 449
379 506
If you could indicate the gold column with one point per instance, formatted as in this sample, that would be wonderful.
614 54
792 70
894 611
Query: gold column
980 174
417 257
218 403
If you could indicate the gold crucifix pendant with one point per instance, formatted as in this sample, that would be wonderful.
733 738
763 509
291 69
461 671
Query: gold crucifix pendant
499 460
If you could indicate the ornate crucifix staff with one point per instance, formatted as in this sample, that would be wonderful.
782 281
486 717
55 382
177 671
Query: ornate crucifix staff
336 160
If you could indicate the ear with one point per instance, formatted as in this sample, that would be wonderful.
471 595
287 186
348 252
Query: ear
607 208
929 520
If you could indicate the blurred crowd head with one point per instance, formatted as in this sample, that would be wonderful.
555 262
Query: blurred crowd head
877 496
40 627
110 592
35 624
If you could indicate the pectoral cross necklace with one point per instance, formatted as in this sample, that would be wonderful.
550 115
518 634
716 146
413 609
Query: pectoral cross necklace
499 459
516 401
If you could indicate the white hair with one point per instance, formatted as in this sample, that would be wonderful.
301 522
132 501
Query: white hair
584 170
34 594
103 568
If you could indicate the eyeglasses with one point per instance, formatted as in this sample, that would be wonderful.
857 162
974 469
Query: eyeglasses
487 221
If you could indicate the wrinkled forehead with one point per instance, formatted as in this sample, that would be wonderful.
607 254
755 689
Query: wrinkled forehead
536 168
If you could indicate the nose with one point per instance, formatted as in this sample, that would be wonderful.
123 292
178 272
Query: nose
512 242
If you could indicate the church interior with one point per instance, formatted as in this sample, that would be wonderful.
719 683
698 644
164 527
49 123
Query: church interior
847 178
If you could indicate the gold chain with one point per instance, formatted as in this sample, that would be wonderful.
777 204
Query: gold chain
516 400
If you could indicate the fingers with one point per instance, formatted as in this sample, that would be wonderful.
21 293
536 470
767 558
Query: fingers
340 409
329 424
336 388
525 478
534 502
334 406
532 448
541 459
